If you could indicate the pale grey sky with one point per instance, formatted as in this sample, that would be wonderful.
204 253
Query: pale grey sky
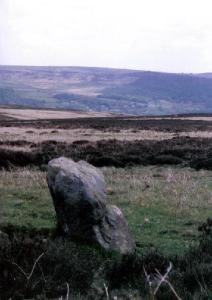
162 35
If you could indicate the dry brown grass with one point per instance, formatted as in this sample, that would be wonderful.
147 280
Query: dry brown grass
192 118
23 178
180 189
196 118
39 114
70 135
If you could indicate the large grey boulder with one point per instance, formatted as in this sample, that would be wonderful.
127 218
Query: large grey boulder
79 195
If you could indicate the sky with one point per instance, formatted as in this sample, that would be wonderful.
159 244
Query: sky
157 35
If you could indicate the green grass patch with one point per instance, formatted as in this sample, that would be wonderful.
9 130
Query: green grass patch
164 206
26 199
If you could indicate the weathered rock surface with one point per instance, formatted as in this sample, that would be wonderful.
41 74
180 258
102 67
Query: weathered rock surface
79 195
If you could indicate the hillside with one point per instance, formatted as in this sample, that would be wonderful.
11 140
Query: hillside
101 89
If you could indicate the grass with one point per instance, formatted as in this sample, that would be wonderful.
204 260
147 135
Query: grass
30 134
26 199
163 206
36 114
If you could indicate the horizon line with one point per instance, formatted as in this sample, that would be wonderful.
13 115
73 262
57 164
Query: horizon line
102 67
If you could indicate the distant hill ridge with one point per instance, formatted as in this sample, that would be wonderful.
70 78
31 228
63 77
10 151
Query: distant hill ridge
108 90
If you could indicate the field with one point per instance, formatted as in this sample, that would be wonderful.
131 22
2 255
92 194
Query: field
157 170
164 206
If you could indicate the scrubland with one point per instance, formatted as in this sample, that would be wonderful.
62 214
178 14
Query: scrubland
157 171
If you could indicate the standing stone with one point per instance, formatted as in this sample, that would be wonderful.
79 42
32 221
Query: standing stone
79 195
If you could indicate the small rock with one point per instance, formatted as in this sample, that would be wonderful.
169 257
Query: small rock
146 220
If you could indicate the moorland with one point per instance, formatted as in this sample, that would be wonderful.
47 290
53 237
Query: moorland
105 90
158 171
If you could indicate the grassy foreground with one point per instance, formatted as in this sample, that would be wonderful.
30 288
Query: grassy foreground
163 206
